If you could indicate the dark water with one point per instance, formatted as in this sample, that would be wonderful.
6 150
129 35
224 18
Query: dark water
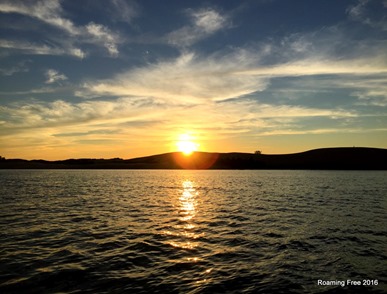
109 231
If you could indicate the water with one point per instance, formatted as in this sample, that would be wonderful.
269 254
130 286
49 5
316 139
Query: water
143 231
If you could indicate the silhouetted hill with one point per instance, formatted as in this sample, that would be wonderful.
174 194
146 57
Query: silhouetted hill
345 158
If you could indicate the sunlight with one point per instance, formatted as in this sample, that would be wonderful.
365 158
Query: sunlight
183 234
186 145
187 201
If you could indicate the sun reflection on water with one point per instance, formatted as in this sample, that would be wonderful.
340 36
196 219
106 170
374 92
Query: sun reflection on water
184 230
187 202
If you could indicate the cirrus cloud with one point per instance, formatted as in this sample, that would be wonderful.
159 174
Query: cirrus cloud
54 76
51 13
204 22
188 79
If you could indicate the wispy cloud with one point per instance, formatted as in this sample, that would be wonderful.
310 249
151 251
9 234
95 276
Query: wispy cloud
38 114
329 80
319 131
54 76
204 22
51 13
193 79
19 67
361 12
319 67
127 126
208 20
101 34
124 10
133 121
21 117
41 49
371 91
48 11
187 79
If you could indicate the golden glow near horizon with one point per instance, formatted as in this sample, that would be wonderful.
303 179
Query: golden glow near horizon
186 144
318 92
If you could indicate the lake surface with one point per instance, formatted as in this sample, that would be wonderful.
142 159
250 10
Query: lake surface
182 231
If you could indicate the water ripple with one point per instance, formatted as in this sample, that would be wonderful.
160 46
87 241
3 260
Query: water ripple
191 231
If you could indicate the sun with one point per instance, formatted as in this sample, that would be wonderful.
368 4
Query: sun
186 145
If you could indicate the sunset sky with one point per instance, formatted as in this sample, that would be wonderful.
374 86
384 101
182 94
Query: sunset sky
125 79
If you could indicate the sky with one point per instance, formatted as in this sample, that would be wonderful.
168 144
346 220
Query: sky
106 79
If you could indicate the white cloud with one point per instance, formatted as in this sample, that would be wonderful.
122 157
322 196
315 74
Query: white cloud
356 11
208 20
54 76
76 52
193 79
41 49
187 79
41 90
225 117
204 23
50 12
103 35
319 67
38 114
143 120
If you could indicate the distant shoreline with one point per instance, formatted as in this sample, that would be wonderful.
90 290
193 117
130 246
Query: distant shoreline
340 158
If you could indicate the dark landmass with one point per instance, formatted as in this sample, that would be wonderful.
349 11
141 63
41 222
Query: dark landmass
344 158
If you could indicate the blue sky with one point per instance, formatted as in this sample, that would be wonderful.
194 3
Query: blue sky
128 78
